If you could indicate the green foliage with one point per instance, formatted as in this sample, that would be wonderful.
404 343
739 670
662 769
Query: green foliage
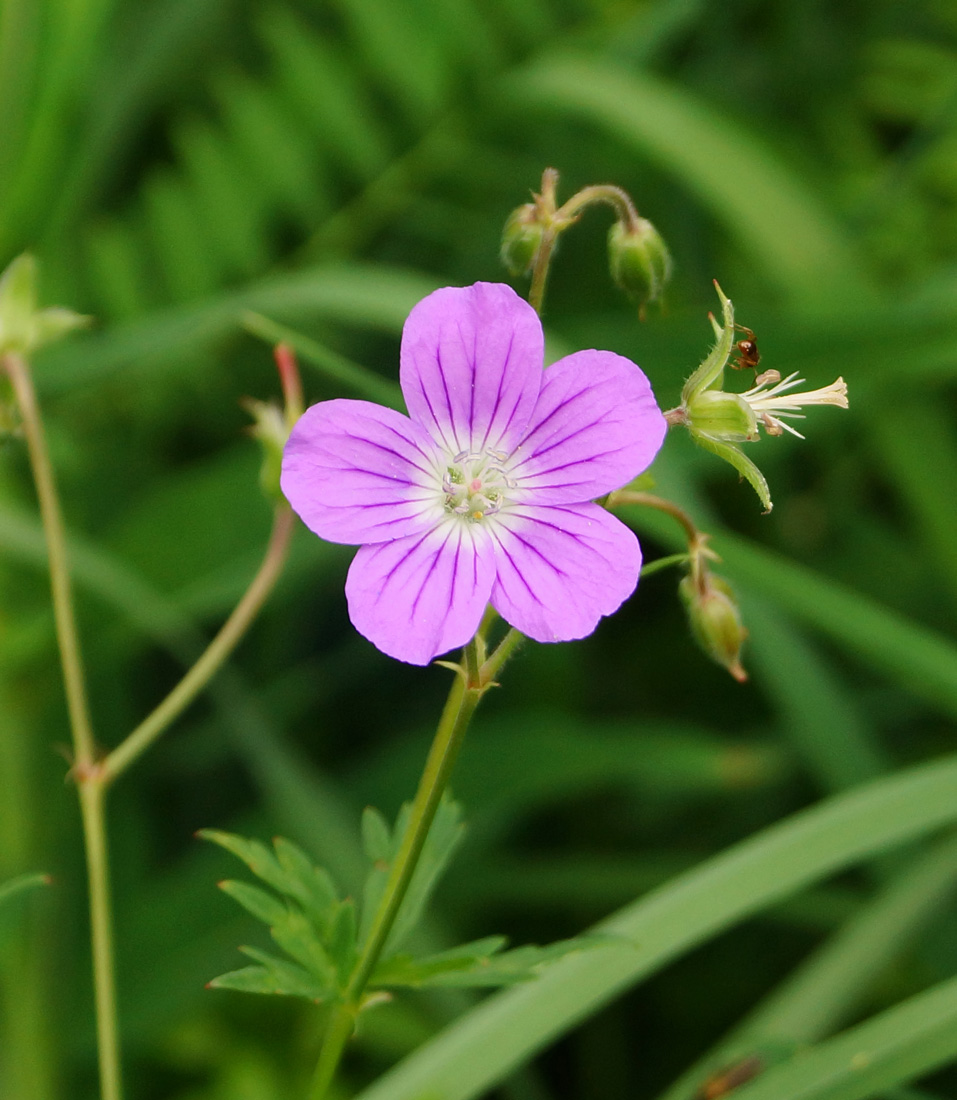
318 929
177 166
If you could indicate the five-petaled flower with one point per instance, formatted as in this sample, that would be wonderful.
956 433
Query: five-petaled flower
484 493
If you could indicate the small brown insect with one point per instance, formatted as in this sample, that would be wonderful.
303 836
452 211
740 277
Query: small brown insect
729 1078
747 350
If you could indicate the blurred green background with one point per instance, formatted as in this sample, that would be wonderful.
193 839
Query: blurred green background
174 163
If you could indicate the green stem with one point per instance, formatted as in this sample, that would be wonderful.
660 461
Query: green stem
62 592
473 678
216 652
92 794
85 769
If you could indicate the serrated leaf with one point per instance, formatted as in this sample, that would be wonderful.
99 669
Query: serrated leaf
311 886
273 976
254 854
296 936
342 941
376 836
263 906
482 963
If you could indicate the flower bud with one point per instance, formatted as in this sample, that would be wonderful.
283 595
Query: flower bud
715 620
521 239
271 429
23 327
639 260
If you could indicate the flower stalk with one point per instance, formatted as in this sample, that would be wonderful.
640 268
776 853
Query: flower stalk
638 257
474 677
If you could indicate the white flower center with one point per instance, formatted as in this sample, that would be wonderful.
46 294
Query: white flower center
475 485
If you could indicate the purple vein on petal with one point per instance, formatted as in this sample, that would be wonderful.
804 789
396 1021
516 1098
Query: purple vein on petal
498 397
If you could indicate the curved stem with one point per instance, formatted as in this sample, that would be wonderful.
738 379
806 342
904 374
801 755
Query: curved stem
215 654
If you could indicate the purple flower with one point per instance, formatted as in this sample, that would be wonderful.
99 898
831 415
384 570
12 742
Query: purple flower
483 493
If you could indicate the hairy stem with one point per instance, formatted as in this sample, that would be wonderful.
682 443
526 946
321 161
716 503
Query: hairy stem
215 654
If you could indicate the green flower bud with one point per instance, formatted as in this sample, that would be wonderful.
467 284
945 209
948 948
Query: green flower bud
715 620
721 416
639 260
521 239
270 428
23 327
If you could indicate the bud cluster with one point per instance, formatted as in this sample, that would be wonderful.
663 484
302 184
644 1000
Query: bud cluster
638 257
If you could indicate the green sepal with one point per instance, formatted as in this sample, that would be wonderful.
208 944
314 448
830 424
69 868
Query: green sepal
482 963
274 977
382 846
24 327
725 417
740 461
710 371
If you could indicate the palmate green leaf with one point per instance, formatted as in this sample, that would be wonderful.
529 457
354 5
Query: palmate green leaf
486 1045
382 846
273 976
253 853
480 964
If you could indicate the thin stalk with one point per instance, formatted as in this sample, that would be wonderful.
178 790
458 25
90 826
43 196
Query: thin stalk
85 769
473 679
92 794
81 729
215 654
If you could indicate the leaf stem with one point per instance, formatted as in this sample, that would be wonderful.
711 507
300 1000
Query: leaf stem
473 678
218 650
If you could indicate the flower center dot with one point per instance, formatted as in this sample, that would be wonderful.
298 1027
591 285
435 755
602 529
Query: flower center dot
475 485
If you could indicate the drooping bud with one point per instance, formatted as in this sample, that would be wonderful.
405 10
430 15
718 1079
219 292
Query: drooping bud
639 260
23 327
715 620
521 239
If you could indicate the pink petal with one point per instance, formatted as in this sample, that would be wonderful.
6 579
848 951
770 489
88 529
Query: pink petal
471 366
422 595
595 427
560 569
357 472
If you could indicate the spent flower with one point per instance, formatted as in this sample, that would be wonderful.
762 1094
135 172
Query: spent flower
720 421
485 492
